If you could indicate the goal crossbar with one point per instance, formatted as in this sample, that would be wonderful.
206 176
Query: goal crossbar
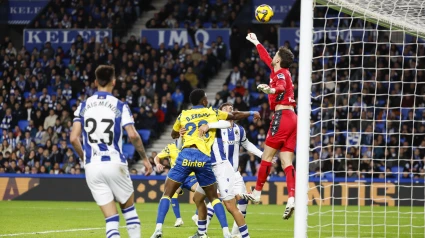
412 21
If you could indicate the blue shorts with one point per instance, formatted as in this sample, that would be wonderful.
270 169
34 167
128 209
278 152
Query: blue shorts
192 160
189 182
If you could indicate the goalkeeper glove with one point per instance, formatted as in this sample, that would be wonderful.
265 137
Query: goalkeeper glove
253 38
266 89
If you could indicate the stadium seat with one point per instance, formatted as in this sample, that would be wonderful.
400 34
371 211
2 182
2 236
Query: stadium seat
397 170
50 90
380 127
329 175
381 102
66 61
418 112
69 10
254 95
72 102
23 124
145 134
405 113
128 150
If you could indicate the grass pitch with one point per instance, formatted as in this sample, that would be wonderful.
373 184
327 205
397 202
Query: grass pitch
84 219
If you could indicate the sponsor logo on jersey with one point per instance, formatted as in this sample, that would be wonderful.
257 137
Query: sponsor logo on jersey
195 163
231 142
280 76
104 153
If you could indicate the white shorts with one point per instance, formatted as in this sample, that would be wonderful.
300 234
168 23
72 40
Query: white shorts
239 185
108 181
225 176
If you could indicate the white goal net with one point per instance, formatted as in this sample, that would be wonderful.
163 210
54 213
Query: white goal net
367 138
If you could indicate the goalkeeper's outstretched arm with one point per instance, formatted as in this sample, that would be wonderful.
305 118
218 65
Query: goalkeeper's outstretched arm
264 55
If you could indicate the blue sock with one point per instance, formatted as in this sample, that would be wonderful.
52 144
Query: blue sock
112 224
242 204
164 205
196 212
176 207
244 231
132 221
219 212
210 212
202 226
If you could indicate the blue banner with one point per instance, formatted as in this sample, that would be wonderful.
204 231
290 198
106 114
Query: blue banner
21 12
35 38
292 35
181 36
281 8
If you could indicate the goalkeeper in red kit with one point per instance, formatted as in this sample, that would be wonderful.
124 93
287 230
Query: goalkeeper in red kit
282 135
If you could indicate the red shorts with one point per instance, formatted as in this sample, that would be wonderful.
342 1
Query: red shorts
283 131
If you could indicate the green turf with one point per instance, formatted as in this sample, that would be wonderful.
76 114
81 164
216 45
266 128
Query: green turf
263 220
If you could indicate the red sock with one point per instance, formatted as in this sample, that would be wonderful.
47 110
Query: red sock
263 173
290 180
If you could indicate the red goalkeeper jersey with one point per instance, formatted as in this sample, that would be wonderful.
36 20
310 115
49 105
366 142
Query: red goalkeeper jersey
280 80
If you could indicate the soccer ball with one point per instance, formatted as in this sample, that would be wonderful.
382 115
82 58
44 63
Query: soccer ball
264 13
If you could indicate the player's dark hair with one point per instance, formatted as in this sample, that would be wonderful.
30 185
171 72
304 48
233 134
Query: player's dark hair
286 57
196 96
225 105
104 74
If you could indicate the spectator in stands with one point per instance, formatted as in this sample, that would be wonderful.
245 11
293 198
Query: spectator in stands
6 122
50 120
191 77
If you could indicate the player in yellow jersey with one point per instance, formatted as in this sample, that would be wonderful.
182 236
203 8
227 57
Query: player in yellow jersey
200 123
171 151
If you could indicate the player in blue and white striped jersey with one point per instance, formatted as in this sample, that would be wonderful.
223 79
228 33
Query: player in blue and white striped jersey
101 119
225 151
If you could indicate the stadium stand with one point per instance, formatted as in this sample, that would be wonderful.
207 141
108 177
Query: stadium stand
196 14
115 15
42 88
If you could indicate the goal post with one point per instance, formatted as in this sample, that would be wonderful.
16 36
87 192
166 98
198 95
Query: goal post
360 158
303 125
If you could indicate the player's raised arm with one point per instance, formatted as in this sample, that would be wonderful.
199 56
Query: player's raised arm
264 55
137 142
242 115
